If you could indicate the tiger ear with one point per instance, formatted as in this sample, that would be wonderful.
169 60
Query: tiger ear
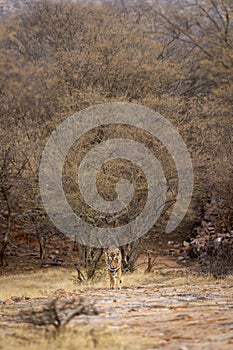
104 254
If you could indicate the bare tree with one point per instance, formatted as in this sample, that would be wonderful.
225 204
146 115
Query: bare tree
11 169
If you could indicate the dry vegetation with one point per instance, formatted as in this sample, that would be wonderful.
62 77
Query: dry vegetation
60 57
45 283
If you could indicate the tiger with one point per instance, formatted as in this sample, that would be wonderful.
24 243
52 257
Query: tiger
113 260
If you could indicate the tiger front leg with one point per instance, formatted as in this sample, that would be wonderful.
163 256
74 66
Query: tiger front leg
118 283
112 281
118 278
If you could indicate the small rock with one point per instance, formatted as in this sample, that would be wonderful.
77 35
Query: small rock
180 258
9 301
16 299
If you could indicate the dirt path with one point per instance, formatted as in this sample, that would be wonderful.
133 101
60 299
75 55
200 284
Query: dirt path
162 317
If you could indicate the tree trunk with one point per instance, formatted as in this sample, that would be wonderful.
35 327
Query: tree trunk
92 264
42 247
129 255
76 246
6 235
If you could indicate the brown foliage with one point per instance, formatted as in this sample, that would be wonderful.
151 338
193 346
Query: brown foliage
58 58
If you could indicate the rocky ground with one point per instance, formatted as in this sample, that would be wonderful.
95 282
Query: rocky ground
156 315
193 317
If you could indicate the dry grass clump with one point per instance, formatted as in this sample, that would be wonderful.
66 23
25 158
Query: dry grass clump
89 338
41 283
45 283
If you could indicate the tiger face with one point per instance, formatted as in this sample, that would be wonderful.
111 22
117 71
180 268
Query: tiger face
113 261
